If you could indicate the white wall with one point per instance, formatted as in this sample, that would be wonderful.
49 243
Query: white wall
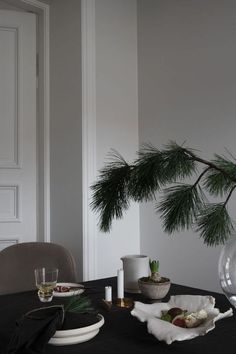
65 126
187 85
117 115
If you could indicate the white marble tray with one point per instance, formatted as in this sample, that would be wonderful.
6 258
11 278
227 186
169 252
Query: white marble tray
168 332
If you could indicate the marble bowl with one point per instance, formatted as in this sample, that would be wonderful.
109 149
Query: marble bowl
168 332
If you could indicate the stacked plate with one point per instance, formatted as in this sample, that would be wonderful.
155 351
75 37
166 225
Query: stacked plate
70 289
77 335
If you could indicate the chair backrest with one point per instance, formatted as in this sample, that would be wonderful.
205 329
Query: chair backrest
17 264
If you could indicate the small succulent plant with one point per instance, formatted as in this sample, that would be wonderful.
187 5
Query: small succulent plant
155 276
154 268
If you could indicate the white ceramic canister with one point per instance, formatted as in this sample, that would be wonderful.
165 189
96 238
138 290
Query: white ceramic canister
135 266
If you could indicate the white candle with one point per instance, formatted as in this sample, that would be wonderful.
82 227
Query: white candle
108 293
120 283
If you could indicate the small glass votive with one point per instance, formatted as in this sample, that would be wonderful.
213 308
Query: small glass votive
46 280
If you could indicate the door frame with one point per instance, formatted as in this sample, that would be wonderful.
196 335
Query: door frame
43 112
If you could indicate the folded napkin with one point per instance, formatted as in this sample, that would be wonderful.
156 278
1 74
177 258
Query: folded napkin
168 332
34 330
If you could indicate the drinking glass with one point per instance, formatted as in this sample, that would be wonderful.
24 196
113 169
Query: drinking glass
227 270
46 280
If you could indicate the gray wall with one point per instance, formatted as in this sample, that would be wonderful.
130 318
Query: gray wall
65 126
187 85
6 6
117 116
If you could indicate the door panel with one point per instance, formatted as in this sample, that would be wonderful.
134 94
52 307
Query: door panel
8 75
18 208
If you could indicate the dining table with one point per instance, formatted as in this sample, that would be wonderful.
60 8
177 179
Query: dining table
123 333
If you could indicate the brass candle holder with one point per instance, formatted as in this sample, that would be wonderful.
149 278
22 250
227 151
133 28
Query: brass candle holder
117 303
125 302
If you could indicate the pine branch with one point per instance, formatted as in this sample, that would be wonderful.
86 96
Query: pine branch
201 176
229 195
154 169
110 195
218 183
183 204
214 224
147 176
212 164
180 206
176 164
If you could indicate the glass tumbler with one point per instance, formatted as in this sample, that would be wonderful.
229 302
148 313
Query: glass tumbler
46 280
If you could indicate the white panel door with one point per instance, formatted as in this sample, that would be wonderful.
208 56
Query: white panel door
17 127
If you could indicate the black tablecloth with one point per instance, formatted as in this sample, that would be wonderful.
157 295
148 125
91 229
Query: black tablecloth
123 333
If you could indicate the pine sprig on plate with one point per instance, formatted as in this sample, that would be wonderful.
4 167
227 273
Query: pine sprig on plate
79 304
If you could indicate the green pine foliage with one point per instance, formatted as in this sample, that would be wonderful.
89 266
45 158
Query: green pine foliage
79 304
110 193
176 163
214 224
182 205
218 183
146 177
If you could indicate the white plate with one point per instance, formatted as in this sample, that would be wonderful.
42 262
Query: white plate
70 292
77 335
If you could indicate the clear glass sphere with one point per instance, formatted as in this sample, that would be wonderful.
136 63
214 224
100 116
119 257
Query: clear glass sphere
227 270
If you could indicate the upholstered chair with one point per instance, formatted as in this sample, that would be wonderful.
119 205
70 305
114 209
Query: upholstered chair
17 264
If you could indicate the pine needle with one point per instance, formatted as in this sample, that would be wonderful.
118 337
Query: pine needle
110 195
146 174
214 224
218 182
176 163
79 304
180 206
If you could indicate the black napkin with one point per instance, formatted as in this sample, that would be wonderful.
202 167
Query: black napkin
34 330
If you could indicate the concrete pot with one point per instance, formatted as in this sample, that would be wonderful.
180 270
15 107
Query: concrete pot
152 290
